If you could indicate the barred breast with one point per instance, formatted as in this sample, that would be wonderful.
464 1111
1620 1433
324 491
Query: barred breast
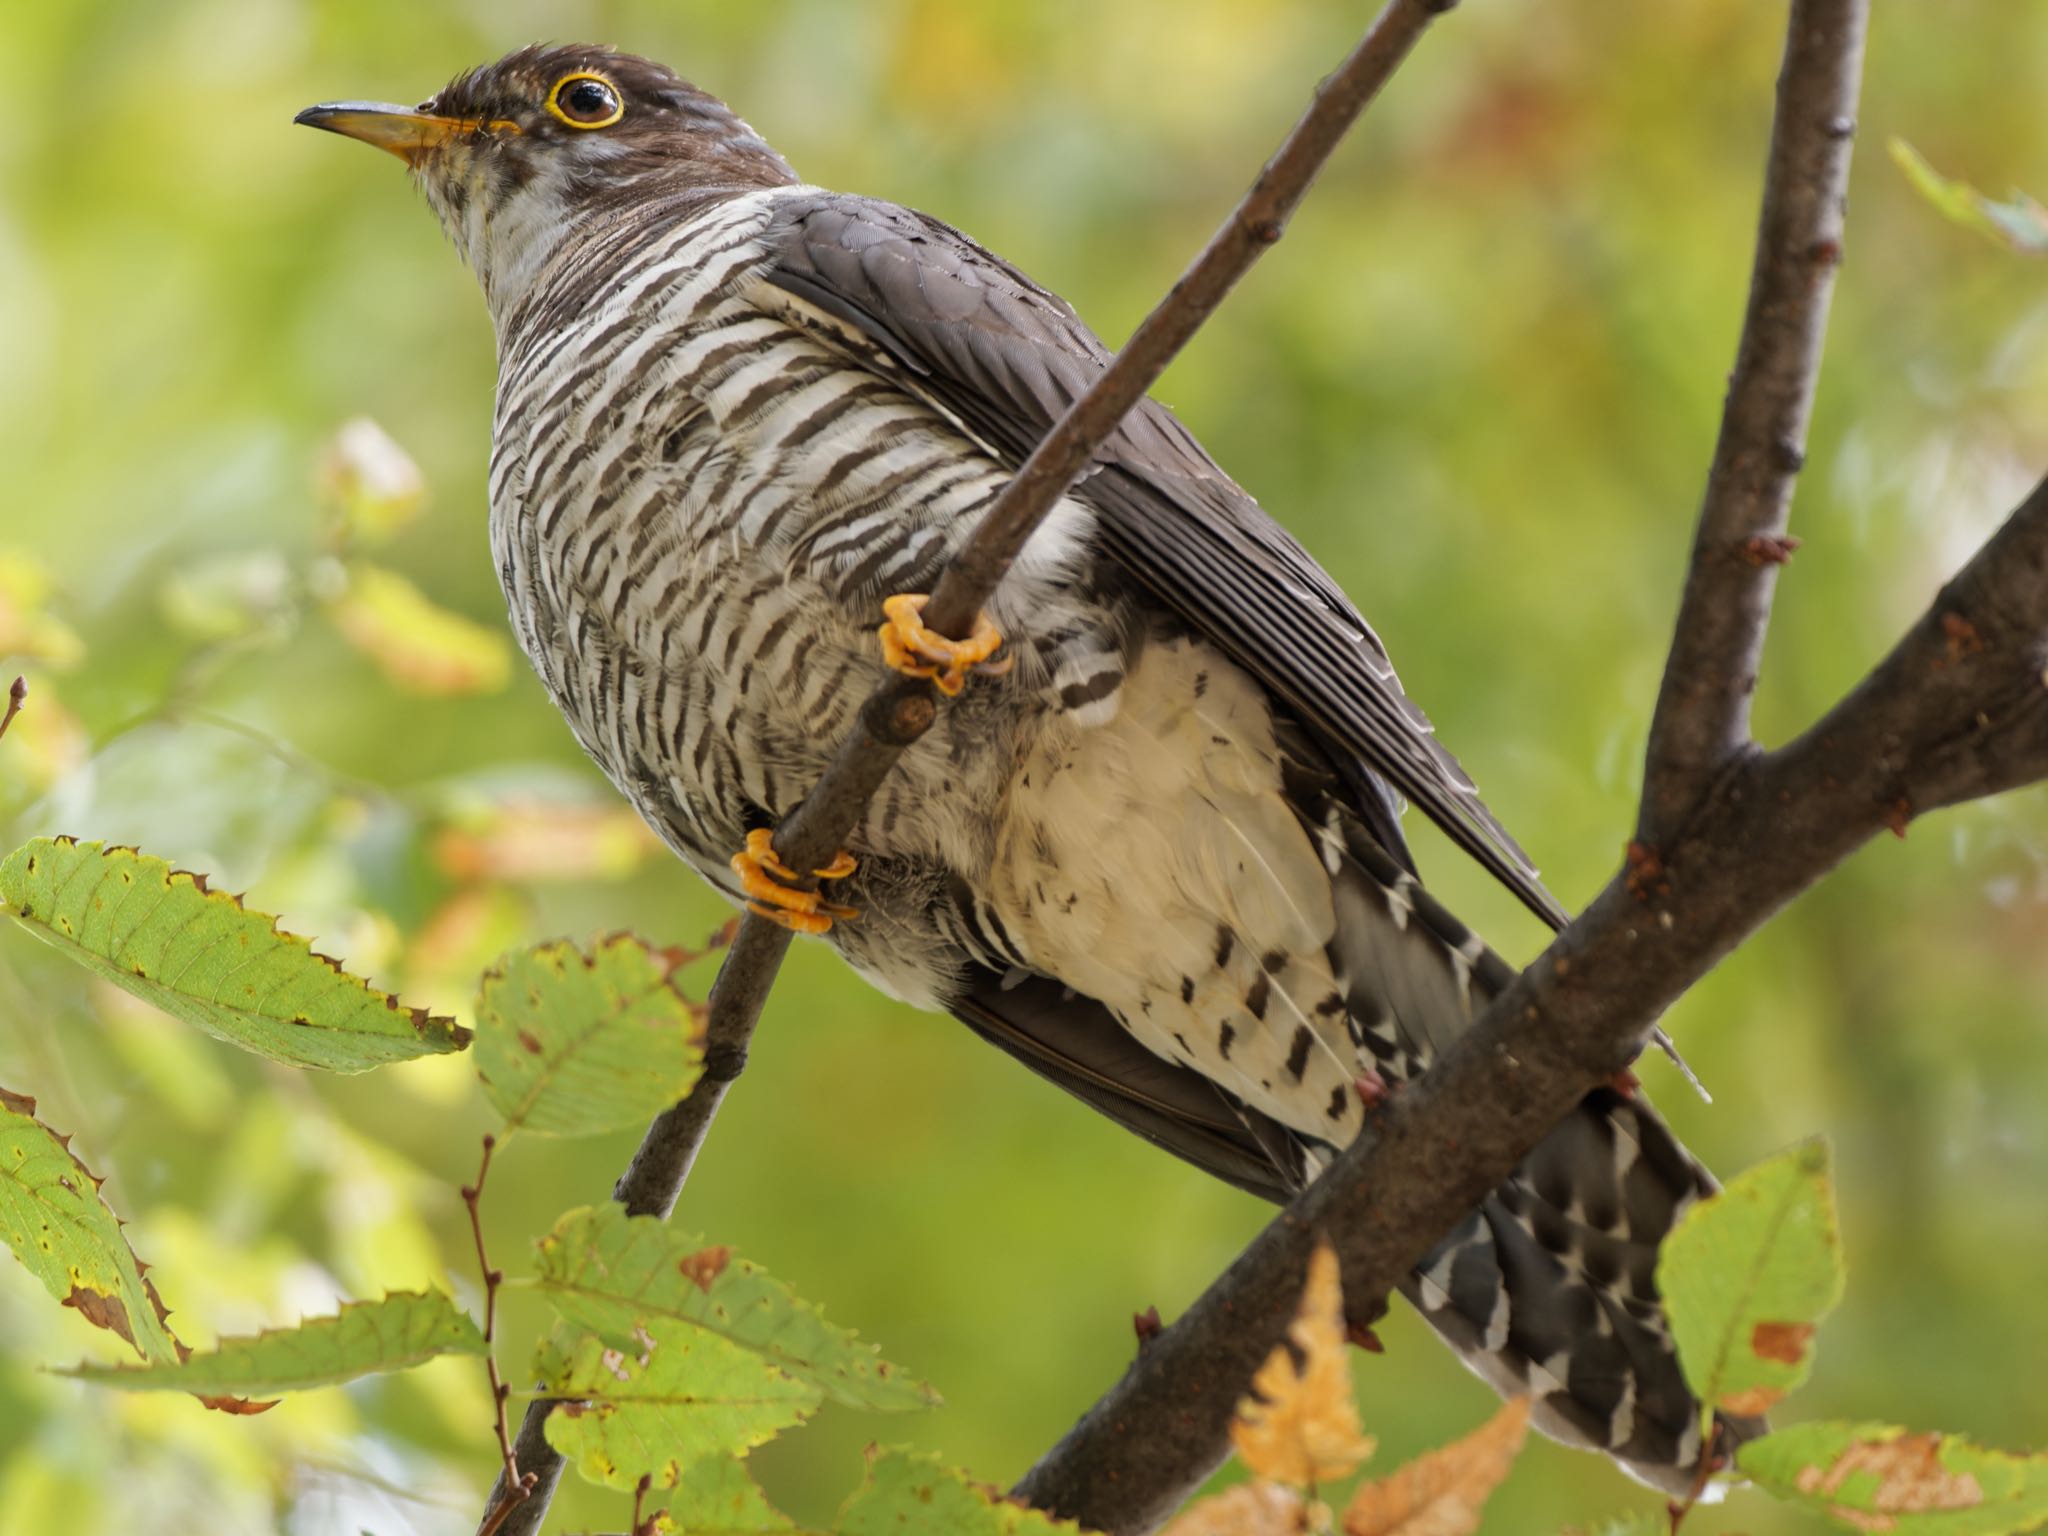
697 505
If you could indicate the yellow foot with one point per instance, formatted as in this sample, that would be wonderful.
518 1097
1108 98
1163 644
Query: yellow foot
776 896
909 647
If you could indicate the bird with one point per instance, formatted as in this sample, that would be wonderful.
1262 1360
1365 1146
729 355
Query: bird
1152 846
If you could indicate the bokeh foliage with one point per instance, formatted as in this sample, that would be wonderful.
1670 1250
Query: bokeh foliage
1480 378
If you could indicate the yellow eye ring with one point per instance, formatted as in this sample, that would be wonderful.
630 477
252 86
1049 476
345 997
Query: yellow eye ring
601 109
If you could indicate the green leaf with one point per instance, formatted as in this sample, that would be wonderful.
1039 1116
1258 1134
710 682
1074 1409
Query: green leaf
913 1495
570 1044
611 1273
2020 225
203 957
420 646
52 1216
676 1395
1874 1477
1748 1273
719 1497
402 1330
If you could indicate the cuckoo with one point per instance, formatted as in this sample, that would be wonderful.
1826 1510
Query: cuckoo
1152 847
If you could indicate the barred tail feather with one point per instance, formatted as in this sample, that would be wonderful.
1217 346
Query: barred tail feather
1549 1288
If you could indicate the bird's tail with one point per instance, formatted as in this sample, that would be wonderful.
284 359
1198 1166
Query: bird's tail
1549 1288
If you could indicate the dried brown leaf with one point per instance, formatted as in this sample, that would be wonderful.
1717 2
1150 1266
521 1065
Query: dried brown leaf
1444 1492
1249 1509
1300 1426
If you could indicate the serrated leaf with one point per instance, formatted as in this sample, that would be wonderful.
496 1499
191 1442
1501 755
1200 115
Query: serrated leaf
52 1216
2020 225
203 957
673 1397
1444 1492
372 484
1300 1426
1250 1509
719 1497
906 1494
572 1044
610 1274
420 646
1748 1273
395 1333
1875 1477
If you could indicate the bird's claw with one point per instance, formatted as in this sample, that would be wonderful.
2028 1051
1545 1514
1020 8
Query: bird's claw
771 885
909 647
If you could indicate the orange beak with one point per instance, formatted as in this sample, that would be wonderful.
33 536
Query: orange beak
401 131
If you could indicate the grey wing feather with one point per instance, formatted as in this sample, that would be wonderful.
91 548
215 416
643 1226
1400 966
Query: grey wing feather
1003 357
1075 1042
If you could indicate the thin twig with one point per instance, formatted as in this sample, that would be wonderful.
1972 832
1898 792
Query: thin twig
17 695
1702 718
517 1486
903 708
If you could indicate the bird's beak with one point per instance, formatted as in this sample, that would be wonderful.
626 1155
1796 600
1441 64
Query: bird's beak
403 131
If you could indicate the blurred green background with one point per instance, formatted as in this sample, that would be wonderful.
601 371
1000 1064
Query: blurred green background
1480 378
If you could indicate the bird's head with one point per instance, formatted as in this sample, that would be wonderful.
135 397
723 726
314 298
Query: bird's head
522 154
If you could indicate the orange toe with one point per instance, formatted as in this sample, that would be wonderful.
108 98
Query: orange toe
770 885
909 647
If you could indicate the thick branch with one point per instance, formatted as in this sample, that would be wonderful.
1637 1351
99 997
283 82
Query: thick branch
1702 718
902 709
1959 709
1737 837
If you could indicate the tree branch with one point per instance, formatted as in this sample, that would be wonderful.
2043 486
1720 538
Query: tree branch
1702 718
1958 709
903 708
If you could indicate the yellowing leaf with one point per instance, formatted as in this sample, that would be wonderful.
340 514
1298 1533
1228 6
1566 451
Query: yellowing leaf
1301 1424
1444 1492
1249 1509
674 1396
52 1216
201 956
421 647
906 1494
1874 1477
719 1497
391 1334
1748 1273
371 483
614 1274
572 1044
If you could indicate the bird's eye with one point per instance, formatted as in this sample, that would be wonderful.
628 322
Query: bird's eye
586 100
